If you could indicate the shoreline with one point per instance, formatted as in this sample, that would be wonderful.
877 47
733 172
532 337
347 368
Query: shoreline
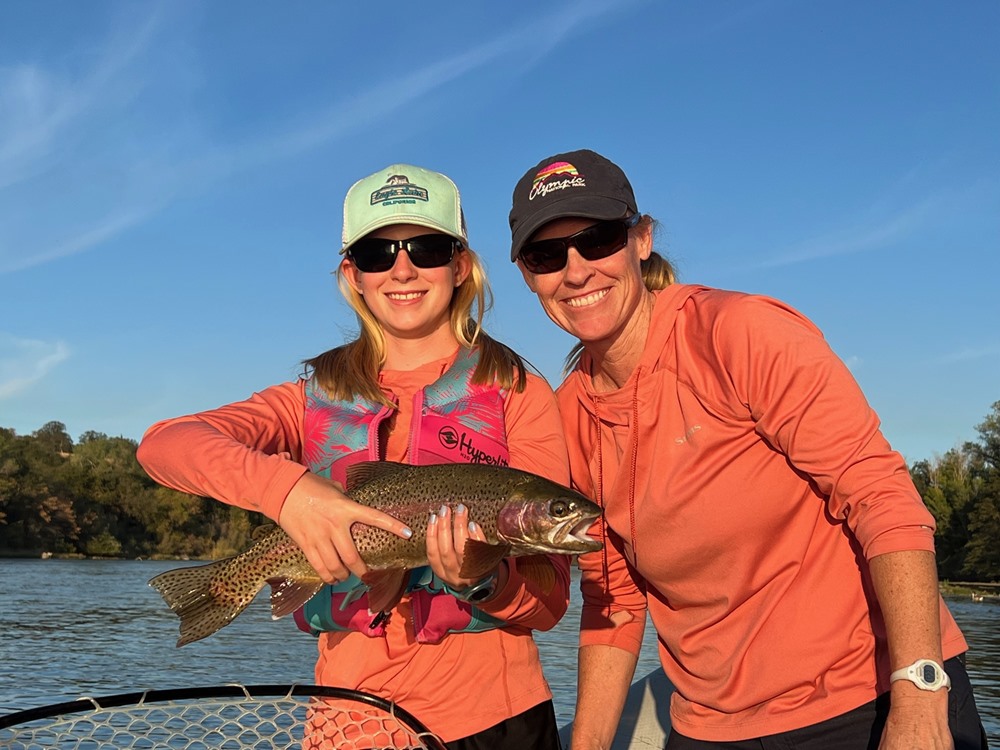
977 591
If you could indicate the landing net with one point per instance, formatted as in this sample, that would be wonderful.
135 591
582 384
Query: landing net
224 717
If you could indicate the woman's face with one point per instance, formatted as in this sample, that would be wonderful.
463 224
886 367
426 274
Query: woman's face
409 302
592 300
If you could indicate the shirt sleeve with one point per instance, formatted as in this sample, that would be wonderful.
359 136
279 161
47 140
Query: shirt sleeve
246 454
614 597
806 404
537 592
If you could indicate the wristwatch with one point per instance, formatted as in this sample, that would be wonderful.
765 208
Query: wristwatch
477 592
925 674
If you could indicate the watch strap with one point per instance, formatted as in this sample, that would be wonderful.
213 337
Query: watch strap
926 674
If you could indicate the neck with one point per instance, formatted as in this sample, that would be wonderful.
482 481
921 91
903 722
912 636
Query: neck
409 354
616 359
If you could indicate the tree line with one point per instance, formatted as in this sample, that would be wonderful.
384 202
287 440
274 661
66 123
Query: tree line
91 498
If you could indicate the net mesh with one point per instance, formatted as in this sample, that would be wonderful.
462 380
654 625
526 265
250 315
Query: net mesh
303 717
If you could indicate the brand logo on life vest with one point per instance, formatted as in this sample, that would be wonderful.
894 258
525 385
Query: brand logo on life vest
450 438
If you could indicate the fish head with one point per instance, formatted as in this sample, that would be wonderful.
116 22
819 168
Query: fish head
546 517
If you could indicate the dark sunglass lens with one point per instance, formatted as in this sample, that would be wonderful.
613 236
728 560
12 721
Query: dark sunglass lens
547 256
601 240
431 250
372 255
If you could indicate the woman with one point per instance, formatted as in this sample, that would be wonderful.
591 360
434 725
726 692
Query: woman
752 505
456 653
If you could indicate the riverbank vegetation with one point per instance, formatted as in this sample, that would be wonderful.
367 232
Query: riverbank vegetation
91 498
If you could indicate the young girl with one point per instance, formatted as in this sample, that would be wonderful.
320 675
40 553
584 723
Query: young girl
421 384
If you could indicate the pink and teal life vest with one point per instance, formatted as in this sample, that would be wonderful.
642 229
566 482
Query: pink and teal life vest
453 421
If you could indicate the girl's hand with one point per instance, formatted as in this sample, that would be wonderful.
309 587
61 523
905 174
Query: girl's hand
318 516
447 533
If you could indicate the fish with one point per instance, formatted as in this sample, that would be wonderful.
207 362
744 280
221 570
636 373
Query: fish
520 513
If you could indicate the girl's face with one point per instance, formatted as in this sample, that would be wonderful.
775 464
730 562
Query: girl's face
410 303
593 300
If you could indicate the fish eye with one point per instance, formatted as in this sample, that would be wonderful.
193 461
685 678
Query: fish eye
559 508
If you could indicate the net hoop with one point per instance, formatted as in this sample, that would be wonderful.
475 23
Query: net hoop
26 725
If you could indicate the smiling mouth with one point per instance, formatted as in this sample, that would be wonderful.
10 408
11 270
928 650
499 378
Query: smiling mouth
404 296
588 299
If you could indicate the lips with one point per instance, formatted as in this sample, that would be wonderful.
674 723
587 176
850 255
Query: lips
588 299
404 296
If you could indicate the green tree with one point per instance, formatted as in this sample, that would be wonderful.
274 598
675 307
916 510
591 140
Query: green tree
983 549
947 485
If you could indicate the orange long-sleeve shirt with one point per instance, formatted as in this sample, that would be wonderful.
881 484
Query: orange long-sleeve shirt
248 454
745 484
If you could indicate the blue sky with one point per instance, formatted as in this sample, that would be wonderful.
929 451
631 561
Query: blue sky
172 175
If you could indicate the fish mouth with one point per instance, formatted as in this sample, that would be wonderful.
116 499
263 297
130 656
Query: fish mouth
578 533
571 536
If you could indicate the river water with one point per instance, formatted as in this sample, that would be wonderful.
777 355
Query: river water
73 628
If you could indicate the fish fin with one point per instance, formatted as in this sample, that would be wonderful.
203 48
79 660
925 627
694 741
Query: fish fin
287 594
479 558
261 531
385 588
539 570
365 471
201 597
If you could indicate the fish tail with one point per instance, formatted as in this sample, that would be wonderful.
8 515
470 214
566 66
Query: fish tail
203 598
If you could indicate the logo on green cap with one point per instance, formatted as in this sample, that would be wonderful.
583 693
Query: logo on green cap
398 189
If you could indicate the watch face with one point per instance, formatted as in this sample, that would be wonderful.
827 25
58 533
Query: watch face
929 673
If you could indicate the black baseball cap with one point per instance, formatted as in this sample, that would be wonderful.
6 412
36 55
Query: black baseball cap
577 183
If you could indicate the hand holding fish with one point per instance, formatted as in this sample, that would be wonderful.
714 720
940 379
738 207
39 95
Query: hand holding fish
446 540
318 517
519 515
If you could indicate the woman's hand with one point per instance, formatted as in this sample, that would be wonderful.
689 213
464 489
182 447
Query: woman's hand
318 516
447 533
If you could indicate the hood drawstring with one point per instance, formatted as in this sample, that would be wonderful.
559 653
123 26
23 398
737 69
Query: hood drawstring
633 465
632 470
600 499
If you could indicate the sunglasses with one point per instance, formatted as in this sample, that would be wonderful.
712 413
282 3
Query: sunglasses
375 254
593 243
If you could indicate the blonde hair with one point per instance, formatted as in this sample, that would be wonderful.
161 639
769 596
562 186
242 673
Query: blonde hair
352 369
657 273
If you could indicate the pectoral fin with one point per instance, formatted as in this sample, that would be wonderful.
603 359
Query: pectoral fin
288 595
539 570
479 558
385 588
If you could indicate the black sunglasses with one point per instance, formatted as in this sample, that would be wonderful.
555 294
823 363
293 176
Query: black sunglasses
376 254
595 242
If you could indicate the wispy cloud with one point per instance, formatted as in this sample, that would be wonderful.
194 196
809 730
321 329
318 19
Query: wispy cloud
968 354
864 237
24 362
47 149
853 363
43 109
886 224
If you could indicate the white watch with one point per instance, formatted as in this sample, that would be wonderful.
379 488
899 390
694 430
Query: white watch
925 674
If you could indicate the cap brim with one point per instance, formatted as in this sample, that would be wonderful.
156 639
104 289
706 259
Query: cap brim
419 221
590 206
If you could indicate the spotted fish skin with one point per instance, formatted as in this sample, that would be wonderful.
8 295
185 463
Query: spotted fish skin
519 513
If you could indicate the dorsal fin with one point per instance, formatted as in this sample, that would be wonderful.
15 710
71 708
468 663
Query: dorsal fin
261 531
365 471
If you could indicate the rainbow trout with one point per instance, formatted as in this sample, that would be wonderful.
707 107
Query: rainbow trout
519 513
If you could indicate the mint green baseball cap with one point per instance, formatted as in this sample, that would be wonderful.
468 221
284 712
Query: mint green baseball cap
402 194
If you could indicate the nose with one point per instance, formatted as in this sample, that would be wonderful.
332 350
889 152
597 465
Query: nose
403 269
578 268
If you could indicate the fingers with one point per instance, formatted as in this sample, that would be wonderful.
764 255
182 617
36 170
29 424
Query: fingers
384 521
318 517
447 533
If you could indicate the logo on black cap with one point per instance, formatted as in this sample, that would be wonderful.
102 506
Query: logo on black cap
558 175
